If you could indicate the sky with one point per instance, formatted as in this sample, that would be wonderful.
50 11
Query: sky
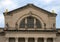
48 5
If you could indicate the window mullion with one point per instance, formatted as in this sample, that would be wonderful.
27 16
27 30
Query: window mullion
25 22
34 23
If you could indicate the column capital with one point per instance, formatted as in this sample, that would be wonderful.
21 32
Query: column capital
26 37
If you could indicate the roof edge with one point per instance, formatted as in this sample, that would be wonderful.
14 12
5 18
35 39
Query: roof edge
33 6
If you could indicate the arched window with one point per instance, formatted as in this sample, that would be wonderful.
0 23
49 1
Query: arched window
38 23
22 23
30 22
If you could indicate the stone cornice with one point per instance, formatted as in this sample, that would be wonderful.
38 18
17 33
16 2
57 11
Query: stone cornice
30 5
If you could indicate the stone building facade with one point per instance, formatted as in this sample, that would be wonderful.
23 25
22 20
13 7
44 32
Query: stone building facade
30 24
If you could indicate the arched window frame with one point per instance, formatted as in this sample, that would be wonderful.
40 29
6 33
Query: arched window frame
30 22
26 15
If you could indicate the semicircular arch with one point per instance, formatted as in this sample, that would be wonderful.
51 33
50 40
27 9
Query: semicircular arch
33 15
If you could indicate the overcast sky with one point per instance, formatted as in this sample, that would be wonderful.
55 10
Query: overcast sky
48 5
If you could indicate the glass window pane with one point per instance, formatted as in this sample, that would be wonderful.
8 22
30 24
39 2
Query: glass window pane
49 40
30 22
22 24
21 40
11 39
38 24
40 40
31 40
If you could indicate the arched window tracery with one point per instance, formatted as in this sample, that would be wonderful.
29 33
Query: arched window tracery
30 22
